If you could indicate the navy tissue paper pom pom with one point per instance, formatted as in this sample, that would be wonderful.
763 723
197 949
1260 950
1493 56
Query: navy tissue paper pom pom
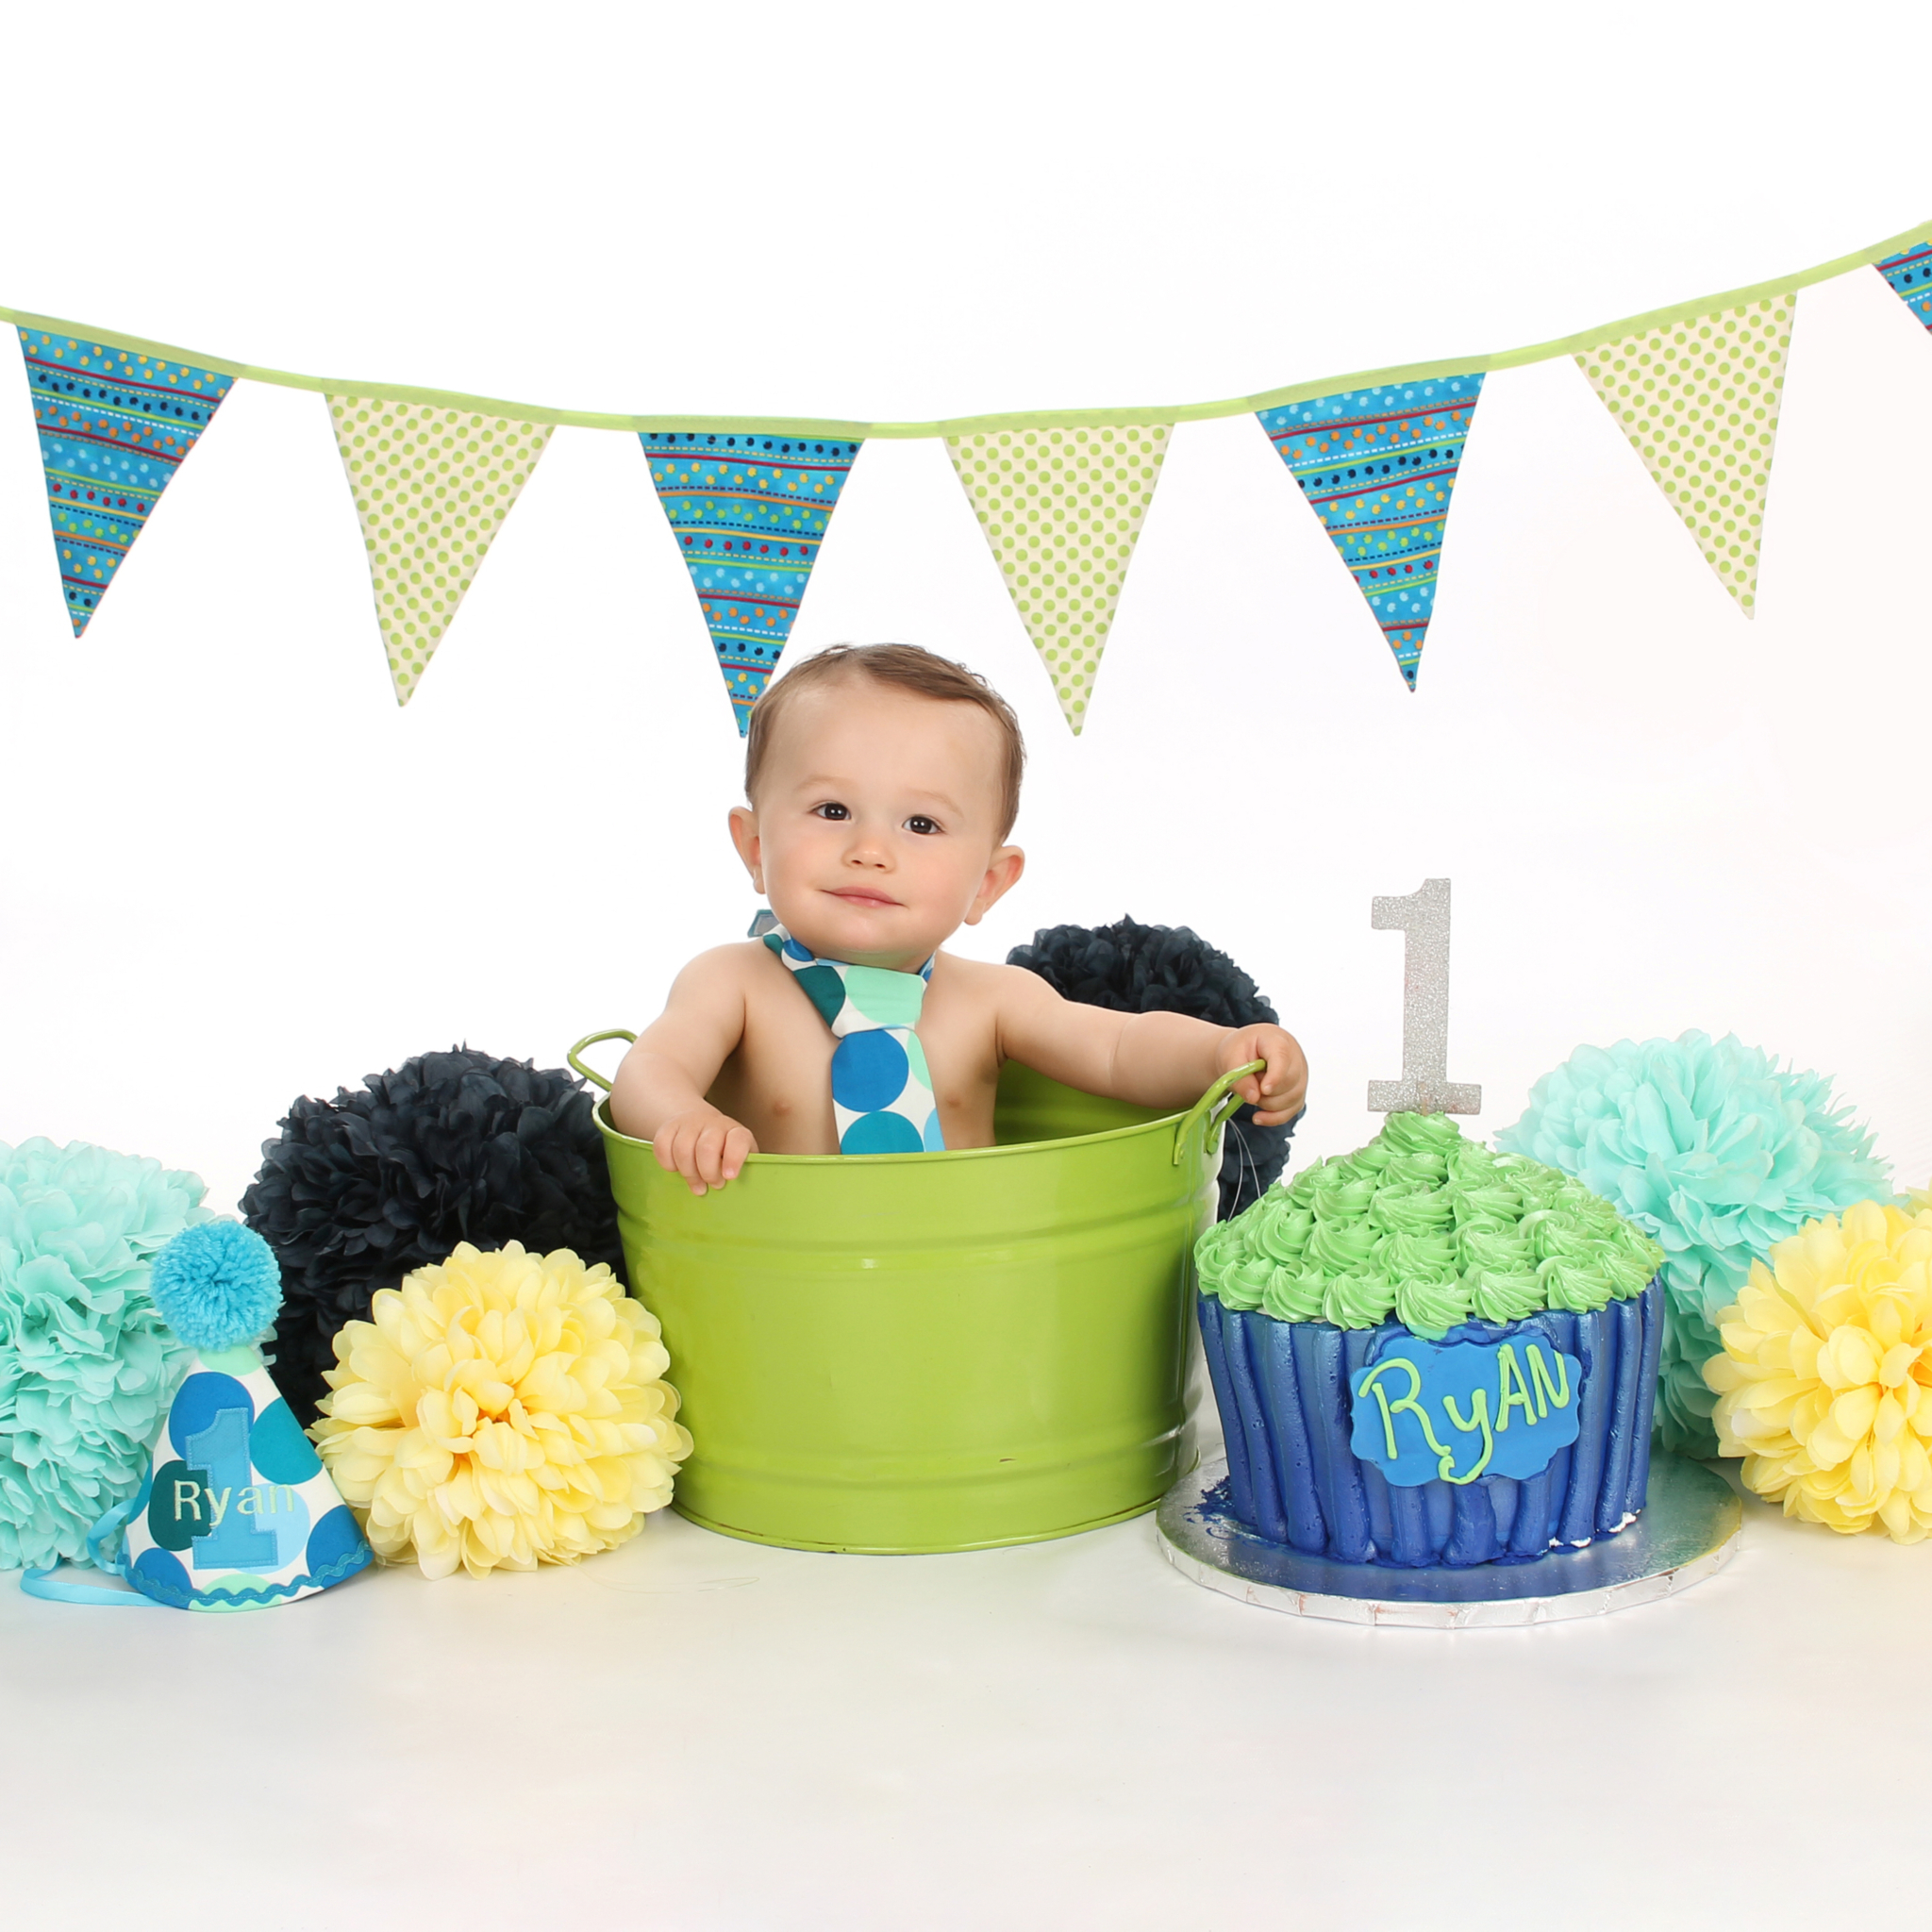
216 1286
449 1147
1131 968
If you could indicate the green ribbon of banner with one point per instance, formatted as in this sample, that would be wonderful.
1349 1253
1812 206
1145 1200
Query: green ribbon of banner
1582 342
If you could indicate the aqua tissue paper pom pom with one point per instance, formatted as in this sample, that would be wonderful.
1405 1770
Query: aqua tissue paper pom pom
87 1365
1715 1153
217 1286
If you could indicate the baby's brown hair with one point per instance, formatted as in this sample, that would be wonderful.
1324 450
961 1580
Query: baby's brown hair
899 667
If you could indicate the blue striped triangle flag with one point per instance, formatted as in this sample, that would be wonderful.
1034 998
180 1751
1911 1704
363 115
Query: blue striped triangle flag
114 426
1908 275
1379 465
749 511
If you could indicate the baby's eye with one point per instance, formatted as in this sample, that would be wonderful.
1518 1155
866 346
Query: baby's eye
923 826
831 809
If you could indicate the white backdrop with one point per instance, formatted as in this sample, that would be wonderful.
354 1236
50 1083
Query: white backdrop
235 871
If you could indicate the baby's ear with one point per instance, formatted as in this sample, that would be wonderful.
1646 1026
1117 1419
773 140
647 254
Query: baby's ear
744 835
1002 872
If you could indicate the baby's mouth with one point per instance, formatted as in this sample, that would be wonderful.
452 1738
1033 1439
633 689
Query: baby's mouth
864 898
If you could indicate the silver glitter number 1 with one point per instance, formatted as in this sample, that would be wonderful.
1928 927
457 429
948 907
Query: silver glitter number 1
1424 1086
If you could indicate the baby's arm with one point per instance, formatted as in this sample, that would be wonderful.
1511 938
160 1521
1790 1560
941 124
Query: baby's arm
659 1092
1153 1059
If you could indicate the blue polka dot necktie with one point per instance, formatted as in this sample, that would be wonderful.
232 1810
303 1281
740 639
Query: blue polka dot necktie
881 1091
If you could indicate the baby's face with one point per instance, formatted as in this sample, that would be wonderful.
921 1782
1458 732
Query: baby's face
875 831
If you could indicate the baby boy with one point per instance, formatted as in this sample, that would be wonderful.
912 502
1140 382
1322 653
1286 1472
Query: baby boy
883 783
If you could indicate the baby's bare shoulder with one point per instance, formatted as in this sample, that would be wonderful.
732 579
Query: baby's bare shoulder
720 969
1002 986
742 956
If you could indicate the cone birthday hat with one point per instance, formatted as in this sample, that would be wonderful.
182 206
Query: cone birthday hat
237 1511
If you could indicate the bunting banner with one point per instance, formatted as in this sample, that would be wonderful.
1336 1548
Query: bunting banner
749 511
1698 399
1062 510
1062 496
1378 466
114 425
432 487
1909 275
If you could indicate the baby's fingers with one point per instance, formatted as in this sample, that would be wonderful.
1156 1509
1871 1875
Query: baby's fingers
707 1156
687 1144
1284 1084
738 1145
676 1148
1248 1087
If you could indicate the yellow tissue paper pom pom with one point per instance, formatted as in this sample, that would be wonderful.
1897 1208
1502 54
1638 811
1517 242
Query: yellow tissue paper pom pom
1825 1386
501 1410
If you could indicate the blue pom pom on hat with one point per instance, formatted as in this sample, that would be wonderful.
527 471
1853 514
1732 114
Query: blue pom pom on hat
217 1286
235 1511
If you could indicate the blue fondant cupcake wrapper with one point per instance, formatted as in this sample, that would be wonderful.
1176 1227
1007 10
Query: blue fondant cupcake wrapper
1283 1391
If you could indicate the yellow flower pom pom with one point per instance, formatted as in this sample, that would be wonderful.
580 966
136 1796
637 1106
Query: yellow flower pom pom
501 1410
1825 1386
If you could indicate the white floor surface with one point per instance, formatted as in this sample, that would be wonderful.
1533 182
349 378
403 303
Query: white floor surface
692 1732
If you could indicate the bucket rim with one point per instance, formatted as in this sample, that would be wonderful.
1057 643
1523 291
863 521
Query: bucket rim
847 1162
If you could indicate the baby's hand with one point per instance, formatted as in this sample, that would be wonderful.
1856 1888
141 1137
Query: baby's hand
1277 1091
707 1148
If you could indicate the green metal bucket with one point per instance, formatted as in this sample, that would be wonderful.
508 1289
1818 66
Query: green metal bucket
897 1352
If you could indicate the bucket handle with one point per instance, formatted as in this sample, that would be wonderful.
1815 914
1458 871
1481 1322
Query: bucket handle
1213 1107
591 1074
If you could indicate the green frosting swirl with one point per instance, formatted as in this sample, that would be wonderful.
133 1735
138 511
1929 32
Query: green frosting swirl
1431 1309
1417 1256
1499 1295
1357 1301
1344 1200
1414 1209
1502 1249
1430 1228
1294 1295
1496 1204
1580 1286
1341 1247
1284 1237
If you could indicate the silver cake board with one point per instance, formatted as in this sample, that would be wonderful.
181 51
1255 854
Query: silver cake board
1687 1530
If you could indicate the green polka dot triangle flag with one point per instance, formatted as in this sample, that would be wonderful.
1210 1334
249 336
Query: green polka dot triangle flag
1378 466
114 428
882 1099
1062 510
432 488
1698 400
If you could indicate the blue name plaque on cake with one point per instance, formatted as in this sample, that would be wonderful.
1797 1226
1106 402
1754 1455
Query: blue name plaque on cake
1423 1413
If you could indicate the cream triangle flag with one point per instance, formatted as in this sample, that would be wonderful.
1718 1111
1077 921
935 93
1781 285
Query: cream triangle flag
1062 510
432 487
1698 400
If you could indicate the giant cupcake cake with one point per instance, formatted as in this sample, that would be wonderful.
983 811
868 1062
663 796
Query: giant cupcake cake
1429 1354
